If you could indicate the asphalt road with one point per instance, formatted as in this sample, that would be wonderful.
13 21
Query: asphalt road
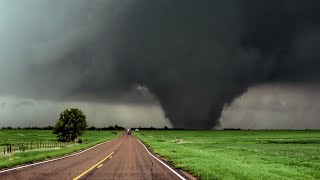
121 158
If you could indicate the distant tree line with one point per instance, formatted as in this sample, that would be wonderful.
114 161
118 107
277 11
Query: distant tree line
231 129
93 128
116 127
34 128
153 128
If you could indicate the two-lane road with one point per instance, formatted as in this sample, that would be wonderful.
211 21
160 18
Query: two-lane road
132 161
121 158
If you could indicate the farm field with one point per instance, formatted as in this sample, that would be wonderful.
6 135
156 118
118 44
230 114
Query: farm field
90 138
239 154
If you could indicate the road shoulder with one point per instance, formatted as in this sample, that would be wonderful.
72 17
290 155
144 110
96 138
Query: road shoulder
178 170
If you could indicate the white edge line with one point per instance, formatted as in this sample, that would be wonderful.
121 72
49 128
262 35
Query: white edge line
51 160
177 174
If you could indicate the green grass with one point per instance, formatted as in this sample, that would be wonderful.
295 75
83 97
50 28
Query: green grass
25 136
240 154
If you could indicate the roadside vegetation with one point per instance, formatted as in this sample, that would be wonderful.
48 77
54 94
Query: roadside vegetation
239 154
90 138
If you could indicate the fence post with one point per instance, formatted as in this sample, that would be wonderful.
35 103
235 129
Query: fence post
4 149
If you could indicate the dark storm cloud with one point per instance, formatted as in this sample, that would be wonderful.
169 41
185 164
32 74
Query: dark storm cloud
194 56
25 104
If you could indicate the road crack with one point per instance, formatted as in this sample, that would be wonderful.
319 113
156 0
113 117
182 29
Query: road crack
151 167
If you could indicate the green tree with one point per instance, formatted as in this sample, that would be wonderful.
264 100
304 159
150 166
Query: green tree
71 124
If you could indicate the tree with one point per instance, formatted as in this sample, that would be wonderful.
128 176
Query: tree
71 124
92 128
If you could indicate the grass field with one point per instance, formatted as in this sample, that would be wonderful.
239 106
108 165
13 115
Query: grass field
18 136
240 154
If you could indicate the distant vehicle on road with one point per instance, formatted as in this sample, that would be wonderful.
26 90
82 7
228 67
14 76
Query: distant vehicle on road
129 132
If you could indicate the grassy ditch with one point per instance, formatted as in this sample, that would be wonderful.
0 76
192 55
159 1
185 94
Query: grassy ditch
239 154
90 138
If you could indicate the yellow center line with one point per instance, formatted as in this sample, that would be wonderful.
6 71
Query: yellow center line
99 163
100 166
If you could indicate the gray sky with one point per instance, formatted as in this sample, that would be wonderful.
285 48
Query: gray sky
156 63
277 106
21 112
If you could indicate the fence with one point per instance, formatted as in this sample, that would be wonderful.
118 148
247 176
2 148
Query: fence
10 148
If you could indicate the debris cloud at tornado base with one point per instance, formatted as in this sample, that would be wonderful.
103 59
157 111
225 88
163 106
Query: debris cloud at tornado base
194 57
